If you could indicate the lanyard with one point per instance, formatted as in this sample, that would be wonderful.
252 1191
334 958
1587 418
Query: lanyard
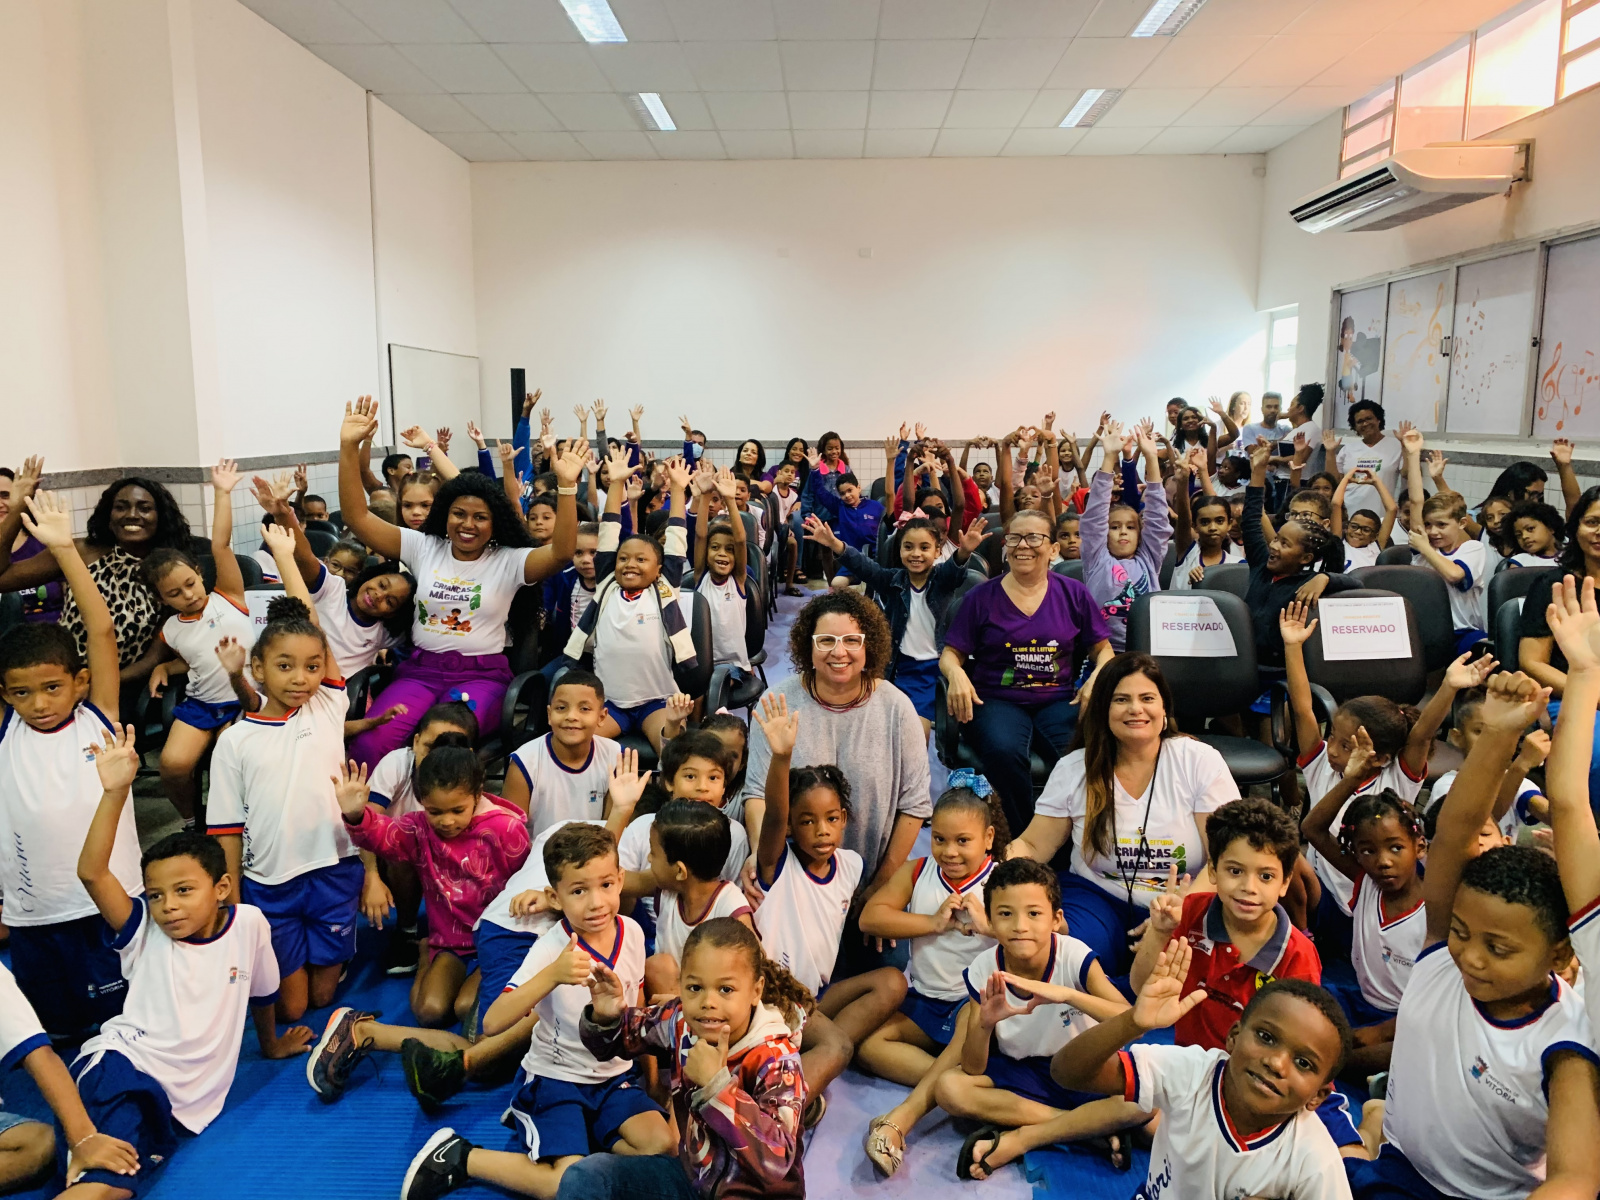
1142 851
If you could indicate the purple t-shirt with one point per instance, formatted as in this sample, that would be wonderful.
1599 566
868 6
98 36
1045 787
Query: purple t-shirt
1027 660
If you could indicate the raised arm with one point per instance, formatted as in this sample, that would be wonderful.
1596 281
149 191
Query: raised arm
369 482
1576 626
544 561
117 762
1003 474
230 580
1338 501
360 422
508 474
1295 630
417 438
1459 676
781 728
50 521
1561 454
23 486
281 543
702 514
307 564
1230 428
1316 826
728 488
1390 509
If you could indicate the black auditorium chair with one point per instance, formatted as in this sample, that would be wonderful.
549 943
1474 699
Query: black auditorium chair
1429 595
723 692
1072 568
1233 578
522 712
1403 680
1168 563
322 540
319 525
878 489
1397 556
1507 590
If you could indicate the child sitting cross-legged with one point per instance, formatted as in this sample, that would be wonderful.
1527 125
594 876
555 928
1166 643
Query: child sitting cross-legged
689 846
570 1103
1237 1119
1030 996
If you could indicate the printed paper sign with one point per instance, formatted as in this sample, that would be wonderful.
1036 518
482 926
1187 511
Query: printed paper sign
1189 627
256 603
1364 629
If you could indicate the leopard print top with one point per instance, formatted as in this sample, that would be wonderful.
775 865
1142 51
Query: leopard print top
135 610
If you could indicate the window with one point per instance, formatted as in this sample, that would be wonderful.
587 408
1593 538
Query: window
1283 336
1433 99
1514 63
1368 131
1580 47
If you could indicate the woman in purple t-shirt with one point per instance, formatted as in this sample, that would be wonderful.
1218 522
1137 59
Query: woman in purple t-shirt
1012 658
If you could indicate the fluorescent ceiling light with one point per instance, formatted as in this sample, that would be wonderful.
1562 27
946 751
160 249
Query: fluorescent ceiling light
657 111
595 20
1091 106
1166 17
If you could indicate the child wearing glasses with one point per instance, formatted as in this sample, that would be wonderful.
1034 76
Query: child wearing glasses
1123 545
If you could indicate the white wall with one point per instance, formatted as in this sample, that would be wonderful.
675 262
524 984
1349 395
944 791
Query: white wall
996 289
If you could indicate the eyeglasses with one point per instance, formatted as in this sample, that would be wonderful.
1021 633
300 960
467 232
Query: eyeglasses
827 641
1031 540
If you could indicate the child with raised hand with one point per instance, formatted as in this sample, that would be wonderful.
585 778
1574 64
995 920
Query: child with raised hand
730 1048
721 570
1200 525
570 1102
49 794
694 766
1235 1121
1440 538
1488 1032
689 847
1519 802
1123 546
1365 533
194 961
936 903
809 881
189 640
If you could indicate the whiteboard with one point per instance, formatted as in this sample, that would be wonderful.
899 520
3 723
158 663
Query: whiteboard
1359 354
1491 343
431 388
1568 400
1415 370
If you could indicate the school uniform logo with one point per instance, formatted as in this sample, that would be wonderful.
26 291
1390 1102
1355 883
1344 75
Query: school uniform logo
1480 1073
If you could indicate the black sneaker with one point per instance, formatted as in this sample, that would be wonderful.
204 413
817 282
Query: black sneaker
432 1075
439 1167
401 952
336 1053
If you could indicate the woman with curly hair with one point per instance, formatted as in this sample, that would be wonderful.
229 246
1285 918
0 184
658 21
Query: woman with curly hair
469 559
852 718
134 517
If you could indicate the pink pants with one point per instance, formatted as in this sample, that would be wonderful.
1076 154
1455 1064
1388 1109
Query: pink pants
425 679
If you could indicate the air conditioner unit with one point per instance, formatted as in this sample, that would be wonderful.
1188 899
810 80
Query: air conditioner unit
1414 184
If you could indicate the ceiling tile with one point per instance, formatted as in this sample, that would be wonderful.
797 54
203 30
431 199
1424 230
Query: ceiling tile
1338 17
1035 18
900 143
1149 107
619 145
748 110
376 68
1103 62
517 20
590 112
931 18
970 143
826 66
518 112
412 20
768 143
481 147
683 143
1447 16
1011 62
645 66
554 68
1115 18
828 110
736 66
644 20
308 21
1029 143
910 65
907 110
1232 106
688 110
987 110
1049 107
462 68
1386 55
548 146
1290 60
826 19
1100 140
722 20
1198 62
1242 18
1308 105
1255 139
1187 140
828 143
435 113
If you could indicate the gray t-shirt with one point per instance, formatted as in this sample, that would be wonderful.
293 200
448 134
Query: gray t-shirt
879 746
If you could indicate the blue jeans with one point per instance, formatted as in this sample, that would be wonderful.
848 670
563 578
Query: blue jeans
1002 733
620 1177
1594 758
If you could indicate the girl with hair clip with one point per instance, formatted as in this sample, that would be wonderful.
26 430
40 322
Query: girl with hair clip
469 560
1200 526
1123 547
937 904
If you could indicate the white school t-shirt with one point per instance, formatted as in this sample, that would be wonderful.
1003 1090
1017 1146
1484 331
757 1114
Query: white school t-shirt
673 925
1583 927
557 792
1049 1027
183 1021
1489 1077
1191 560
727 621
1538 561
802 918
529 877
633 852
1197 1152
1383 460
582 597
557 1052
354 640
1361 556
1191 780
268 565
49 793
392 784
630 650
194 639
462 605
1515 817
1321 779
939 960
1467 598
917 642
1384 951
20 1031
272 783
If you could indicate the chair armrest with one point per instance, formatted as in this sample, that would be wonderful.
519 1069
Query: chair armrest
717 689
530 689
1283 737
946 729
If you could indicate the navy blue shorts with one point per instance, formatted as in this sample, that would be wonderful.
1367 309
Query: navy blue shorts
558 1119
201 715
1388 1177
916 678
1466 639
1357 1010
500 953
313 916
1030 1078
69 973
936 1018
631 720
125 1103
1338 1119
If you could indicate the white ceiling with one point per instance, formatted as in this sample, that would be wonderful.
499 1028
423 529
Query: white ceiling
506 80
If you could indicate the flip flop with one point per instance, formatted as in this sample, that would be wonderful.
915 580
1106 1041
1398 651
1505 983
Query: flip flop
882 1153
1119 1156
964 1160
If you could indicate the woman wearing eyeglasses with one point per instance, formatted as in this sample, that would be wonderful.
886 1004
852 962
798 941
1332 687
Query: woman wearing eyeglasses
1012 660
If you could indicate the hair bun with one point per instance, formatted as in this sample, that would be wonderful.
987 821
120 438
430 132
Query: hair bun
287 608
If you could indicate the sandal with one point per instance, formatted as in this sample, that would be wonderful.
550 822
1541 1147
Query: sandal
882 1153
791 590
1113 1147
964 1160
813 1111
